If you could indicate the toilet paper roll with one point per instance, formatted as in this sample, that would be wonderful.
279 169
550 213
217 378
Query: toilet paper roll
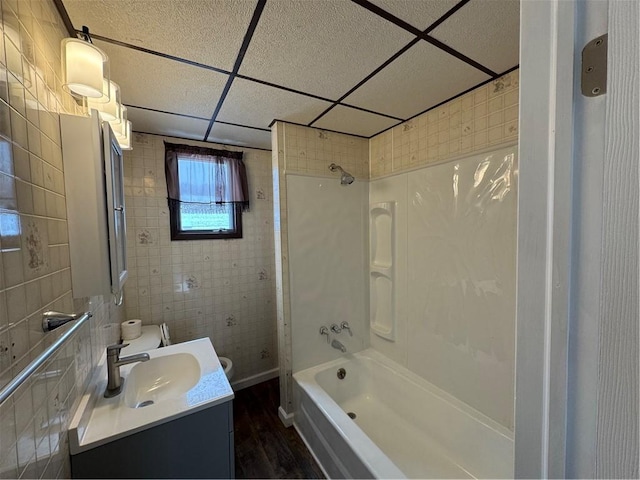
131 329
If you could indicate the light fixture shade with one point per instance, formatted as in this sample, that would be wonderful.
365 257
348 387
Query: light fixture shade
122 118
112 110
106 89
122 132
83 67
120 129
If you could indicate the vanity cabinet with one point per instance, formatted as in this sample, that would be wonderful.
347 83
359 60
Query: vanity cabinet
197 445
94 186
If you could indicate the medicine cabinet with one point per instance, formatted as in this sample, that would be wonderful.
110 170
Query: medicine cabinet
96 215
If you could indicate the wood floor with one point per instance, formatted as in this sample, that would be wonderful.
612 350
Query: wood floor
264 447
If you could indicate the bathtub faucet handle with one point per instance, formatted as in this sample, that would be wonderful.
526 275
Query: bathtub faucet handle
324 331
345 326
335 328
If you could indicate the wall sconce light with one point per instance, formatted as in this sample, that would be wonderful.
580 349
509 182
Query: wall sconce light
86 74
83 66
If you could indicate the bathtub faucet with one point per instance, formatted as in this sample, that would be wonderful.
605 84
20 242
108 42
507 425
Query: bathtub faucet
338 346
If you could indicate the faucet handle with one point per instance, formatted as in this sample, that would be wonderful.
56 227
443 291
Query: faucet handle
115 349
324 331
345 326
335 328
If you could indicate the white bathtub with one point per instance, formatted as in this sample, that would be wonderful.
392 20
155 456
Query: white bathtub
404 426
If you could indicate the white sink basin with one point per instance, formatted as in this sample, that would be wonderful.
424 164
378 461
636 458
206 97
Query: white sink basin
180 379
161 378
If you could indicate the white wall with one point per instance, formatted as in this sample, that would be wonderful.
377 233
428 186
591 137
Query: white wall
455 277
327 255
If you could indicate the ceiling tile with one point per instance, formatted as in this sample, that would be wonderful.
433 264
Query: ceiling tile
420 14
205 31
163 84
419 79
485 30
321 47
254 104
240 136
355 122
166 124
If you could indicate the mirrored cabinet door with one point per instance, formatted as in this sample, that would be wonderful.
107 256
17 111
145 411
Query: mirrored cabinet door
116 213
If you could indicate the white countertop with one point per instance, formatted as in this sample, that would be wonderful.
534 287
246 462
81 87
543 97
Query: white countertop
100 420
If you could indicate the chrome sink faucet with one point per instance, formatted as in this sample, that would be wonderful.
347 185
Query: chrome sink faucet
114 362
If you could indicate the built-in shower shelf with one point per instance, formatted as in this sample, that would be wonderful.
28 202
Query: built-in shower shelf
382 238
382 269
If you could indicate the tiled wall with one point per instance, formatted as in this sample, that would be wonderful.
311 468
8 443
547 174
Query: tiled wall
305 151
35 271
223 289
479 120
310 151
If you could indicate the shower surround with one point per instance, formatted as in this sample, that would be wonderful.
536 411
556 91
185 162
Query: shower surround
450 177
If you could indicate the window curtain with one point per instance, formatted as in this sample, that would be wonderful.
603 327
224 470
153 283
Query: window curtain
205 176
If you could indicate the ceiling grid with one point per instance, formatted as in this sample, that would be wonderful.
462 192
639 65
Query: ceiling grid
351 66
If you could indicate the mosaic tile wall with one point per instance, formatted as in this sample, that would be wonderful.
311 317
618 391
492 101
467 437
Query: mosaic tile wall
479 120
223 289
35 273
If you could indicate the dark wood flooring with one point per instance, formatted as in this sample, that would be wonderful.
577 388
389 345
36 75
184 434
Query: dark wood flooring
264 447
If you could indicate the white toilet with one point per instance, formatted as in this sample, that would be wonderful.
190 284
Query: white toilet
150 339
227 365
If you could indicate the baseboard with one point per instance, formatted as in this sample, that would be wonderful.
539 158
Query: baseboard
255 379
285 418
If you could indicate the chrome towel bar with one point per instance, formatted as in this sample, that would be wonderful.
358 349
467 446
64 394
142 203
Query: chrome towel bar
24 375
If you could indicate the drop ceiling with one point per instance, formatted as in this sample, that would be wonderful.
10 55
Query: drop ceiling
223 70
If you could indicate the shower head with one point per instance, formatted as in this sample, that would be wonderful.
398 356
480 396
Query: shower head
345 177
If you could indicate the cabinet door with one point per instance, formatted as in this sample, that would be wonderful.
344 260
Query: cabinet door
115 210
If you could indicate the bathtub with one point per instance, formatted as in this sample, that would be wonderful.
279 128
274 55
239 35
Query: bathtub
400 426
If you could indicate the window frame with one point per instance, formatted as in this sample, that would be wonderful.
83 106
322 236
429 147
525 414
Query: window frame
174 154
179 234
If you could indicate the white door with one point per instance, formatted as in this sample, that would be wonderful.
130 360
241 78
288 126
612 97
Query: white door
577 326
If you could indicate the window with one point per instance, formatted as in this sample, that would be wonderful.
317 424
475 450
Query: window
207 192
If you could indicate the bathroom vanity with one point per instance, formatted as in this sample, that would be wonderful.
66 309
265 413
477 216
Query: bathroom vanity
199 445
173 419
